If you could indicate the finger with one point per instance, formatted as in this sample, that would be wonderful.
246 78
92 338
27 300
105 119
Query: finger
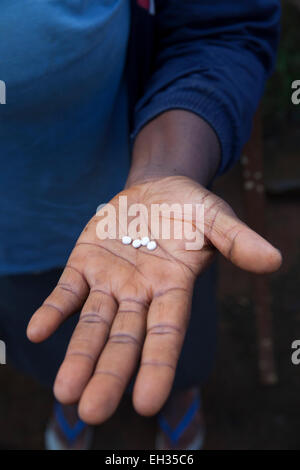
85 346
238 243
117 363
166 326
66 299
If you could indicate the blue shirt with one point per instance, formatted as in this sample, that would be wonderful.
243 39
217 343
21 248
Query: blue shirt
64 128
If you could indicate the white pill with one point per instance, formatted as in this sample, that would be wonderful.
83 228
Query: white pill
136 243
126 240
151 245
145 241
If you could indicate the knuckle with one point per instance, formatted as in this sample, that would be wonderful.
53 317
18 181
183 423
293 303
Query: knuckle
164 329
124 338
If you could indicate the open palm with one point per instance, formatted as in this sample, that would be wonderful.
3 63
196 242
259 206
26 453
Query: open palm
135 303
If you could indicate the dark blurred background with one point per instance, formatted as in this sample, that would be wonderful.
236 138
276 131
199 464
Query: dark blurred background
240 411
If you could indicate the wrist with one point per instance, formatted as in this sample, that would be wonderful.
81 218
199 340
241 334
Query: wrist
175 143
152 172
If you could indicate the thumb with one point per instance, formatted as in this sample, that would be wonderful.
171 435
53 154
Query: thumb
237 242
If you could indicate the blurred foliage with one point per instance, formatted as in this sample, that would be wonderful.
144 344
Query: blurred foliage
279 112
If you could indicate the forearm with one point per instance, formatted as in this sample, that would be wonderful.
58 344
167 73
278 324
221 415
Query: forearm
177 142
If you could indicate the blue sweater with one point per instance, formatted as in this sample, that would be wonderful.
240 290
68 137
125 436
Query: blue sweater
63 131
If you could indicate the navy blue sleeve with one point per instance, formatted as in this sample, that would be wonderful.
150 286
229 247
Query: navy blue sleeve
212 58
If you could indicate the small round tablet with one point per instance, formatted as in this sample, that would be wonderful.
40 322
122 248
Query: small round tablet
126 240
151 245
145 241
136 243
